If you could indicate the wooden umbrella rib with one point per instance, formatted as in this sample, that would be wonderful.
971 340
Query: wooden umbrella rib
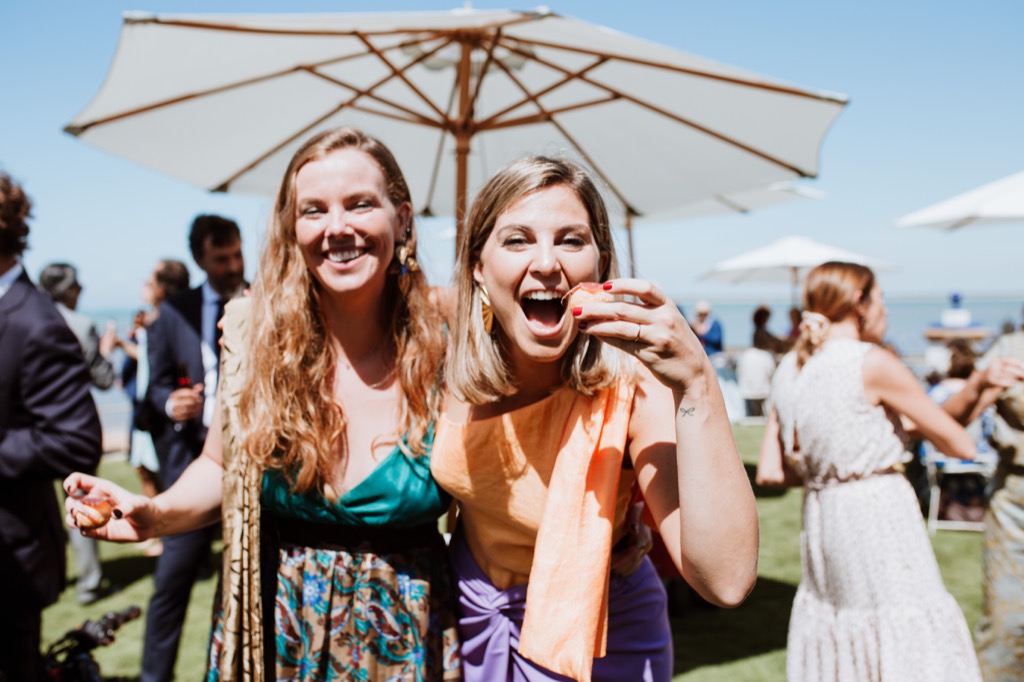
351 103
436 170
223 187
81 128
675 117
579 148
545 115
704 129
417 120
730 204
488 60
369 92
400 73
309 68
523 17
597 168
568 78
734 80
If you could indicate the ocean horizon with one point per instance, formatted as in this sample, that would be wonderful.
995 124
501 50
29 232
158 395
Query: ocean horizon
908 319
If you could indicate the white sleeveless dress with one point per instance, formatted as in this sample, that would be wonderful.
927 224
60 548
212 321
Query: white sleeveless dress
871 605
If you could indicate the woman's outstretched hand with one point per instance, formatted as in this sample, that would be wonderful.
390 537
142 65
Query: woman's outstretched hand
1002 373
649 327
133 517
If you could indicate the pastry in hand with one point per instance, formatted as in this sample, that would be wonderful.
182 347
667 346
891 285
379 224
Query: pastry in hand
93 512
587 292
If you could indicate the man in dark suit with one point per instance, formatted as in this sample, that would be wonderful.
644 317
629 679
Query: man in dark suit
48 429
183 363
60 282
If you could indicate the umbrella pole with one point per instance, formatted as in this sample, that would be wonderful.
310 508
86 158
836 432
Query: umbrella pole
461 180
629 240
795 286
462 137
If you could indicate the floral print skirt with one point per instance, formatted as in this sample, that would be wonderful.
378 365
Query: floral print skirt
349 615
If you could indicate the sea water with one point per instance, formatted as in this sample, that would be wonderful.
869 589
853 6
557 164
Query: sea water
908 320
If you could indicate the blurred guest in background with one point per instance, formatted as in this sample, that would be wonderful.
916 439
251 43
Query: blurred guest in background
869 572
168 278
708 328
794 325
1000 634
48 428
756 364
60 282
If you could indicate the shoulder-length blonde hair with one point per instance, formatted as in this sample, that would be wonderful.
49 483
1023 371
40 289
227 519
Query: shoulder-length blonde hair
289 419
834 290
476 369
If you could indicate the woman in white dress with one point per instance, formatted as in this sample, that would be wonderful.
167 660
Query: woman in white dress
871 603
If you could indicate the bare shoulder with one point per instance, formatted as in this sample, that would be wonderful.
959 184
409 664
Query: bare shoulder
881 364
884 374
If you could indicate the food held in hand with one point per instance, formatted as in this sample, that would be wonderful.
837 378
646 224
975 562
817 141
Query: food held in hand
93 512
587 292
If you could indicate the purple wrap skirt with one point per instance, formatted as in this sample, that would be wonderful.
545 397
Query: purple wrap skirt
639 638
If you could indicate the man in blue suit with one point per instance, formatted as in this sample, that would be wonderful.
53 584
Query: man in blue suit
183 357
48 429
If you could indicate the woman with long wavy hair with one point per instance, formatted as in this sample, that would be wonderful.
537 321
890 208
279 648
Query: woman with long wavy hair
549 426
871 604
334 567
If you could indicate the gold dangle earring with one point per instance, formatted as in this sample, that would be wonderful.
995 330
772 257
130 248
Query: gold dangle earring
485 309
405 256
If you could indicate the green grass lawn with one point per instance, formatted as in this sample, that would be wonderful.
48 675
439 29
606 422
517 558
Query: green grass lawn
746 643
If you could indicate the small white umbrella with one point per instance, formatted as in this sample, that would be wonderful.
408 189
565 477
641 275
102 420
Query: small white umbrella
1001 201
784 260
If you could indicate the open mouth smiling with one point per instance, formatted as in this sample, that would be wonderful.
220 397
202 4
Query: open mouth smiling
543 308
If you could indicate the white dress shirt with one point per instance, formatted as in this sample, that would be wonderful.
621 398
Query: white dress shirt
8 278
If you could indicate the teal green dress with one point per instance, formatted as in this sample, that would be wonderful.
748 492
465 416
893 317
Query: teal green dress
357 607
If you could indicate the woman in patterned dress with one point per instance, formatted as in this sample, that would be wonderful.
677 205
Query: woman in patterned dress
550 426
328 399
871 604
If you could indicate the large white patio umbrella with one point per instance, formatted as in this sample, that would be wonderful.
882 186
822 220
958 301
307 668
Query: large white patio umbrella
222 101
1001 201
785 260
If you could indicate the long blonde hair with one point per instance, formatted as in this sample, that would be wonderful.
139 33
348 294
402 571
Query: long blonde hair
289 419
832 290
476 369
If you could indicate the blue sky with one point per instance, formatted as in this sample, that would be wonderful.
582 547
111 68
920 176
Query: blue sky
936 104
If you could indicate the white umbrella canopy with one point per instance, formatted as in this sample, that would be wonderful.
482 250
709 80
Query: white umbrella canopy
1001 201
743 201
223 102
785 260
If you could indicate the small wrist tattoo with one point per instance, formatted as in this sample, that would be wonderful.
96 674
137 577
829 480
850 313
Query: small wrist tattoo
687 411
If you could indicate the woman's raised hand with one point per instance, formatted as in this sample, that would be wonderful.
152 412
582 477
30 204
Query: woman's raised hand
134 517
1002 373
650 327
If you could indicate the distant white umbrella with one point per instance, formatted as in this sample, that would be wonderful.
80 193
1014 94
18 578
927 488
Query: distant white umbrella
1001 201
222 101
785 260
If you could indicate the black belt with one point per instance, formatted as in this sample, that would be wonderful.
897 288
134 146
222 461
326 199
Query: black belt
340 537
